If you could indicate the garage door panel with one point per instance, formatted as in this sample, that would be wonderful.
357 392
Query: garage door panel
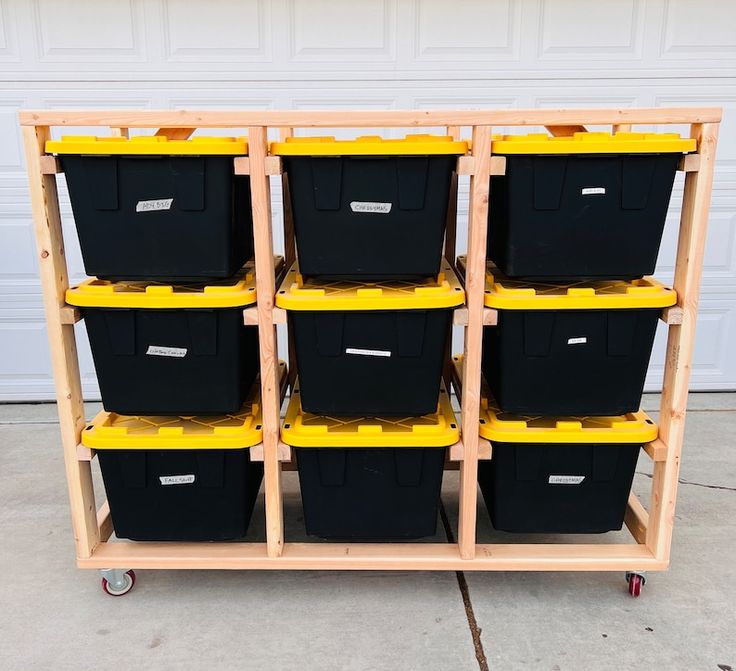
714 366
379 54
719 268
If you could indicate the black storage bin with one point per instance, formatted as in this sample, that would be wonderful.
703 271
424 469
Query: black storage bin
375 354
179 478
370 494
151 209
558 474
195 356
370 208
180 495
370 479
558 488
580 349
582 207
531 368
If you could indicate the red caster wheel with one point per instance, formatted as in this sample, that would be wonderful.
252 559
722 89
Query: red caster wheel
636 582
117 582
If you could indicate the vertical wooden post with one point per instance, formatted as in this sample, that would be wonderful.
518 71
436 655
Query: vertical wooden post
64 361
475 277
266 290
681 340
119 132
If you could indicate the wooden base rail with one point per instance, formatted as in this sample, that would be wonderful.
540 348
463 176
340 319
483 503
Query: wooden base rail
373 556
651 530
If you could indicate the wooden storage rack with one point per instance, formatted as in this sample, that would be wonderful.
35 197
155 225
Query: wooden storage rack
651 530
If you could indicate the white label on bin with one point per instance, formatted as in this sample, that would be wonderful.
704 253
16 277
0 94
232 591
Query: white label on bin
176 479
566 479
577 341
154 205
367 352
370 208
158 350
594 191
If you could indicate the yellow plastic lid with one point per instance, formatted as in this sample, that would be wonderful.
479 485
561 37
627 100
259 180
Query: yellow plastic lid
298 293
110 431
148 145
501 427
503 293
369 145
593 143
304 429
236 291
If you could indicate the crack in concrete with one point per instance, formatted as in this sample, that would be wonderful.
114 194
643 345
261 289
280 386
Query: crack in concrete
462 583
41 422
694 484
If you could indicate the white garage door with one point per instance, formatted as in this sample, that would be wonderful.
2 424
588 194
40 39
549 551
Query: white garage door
370 54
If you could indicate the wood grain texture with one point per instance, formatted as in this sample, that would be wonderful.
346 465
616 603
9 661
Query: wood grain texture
64 356
681 340
475 278
374 556
636 518
176 133
104 522
165 119
565 131
656 450
266 289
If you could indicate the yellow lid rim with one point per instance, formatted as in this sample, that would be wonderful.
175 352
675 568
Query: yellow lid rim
102 434
300 295
148 145
410 145
635 428
369 432
629 301
593 143
96 293
502 293
639 433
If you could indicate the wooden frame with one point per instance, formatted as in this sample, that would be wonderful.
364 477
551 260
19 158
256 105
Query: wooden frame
651 530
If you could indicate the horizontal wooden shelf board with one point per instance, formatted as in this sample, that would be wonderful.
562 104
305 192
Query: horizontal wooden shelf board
367 118
373 556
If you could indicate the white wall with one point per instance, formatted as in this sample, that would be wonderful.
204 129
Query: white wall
370 54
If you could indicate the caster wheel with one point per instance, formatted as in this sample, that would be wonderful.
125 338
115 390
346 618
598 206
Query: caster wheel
636 582
117 585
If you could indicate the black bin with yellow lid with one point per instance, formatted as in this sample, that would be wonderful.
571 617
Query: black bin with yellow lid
150 208
570 349
180 478
171 349
370 478
369 208
559 475
370 348
590 205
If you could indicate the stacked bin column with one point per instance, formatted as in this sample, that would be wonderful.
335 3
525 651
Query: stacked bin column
166 228
370 309
575 225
